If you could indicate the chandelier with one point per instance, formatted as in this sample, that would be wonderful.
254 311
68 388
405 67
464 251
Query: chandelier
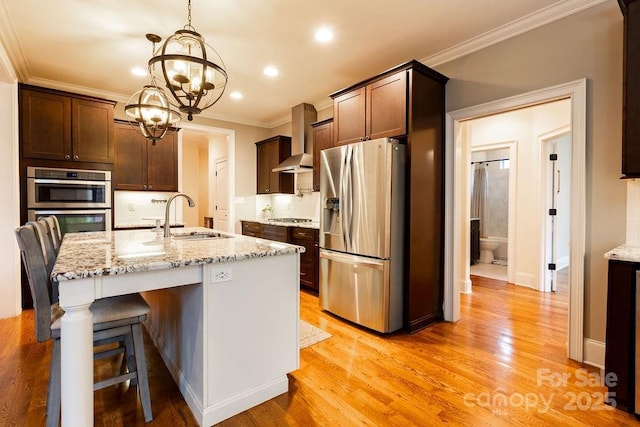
192 71
150 108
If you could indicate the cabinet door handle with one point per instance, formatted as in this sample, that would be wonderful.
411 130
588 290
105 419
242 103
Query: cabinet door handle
150 187
362 138
144 186
76 157
67 156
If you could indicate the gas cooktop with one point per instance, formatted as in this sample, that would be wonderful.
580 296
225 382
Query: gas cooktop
289 220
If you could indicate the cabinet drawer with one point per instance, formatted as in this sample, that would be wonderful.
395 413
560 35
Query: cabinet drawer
253 229
306 273
300 233
275 232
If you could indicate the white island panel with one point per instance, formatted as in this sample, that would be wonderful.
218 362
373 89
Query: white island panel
229 345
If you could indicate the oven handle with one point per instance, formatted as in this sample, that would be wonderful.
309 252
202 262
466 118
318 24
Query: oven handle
69 211
68 182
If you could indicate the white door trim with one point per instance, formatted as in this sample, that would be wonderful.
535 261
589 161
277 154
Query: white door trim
544 139
457 154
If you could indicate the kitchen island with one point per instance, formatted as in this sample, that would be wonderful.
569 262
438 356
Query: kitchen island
224 313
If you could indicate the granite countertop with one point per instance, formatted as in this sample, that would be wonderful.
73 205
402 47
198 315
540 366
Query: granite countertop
312 224
624 252
105 253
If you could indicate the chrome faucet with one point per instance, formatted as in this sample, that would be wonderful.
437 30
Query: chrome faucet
167 226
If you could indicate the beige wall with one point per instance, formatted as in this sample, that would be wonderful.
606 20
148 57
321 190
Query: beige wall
585 45
10 206
191 184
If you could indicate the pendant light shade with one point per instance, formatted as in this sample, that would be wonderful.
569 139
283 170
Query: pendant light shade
192 71
150 108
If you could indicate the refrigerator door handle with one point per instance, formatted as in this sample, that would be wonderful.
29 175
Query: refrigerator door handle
346 208
351 259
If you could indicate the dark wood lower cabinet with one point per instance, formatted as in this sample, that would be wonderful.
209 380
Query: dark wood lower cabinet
620 341
309 260
301 236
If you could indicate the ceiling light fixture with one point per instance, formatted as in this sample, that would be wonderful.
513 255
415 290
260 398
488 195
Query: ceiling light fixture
270 71
236 95
139 72
150 108
324 35
192 70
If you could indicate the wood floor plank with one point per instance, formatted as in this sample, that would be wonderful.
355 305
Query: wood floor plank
494 367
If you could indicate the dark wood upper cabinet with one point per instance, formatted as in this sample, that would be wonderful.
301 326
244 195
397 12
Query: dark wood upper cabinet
322 139
631 89
376 109
61 126
269 154
140 165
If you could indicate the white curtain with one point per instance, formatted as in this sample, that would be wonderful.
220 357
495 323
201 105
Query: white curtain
479 195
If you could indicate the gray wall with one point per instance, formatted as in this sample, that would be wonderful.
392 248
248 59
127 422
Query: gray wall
584 45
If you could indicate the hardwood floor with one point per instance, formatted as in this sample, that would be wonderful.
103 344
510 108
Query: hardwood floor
502 364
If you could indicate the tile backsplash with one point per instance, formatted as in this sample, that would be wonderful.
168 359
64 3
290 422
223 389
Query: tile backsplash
142 207
304 204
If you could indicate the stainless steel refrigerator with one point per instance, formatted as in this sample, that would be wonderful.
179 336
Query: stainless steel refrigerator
362 198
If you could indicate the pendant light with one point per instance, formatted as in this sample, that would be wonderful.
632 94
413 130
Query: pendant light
192 71
150 108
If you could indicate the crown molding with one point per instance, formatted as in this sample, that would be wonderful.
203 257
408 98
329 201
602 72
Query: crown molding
529 22
11 54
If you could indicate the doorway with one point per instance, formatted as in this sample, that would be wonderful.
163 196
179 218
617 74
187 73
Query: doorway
213 144
556 168
221 202
501 211
457 207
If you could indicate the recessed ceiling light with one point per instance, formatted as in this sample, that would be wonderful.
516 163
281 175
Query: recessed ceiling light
324 35
139 71
270 71
236 95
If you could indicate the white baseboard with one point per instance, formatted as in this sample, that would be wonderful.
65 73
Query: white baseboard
525 279
594 353
465 286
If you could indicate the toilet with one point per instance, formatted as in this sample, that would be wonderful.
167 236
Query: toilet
488 247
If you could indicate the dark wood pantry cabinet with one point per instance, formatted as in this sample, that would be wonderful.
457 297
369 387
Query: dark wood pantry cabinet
62 126
322 139
140 165
631 89
407 102
269 154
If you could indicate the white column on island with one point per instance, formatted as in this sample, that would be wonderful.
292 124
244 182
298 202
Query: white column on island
76 336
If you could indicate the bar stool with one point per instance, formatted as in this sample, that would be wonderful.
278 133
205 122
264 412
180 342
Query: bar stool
115 320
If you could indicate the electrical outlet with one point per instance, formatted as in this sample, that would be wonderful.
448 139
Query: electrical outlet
221 275
132 207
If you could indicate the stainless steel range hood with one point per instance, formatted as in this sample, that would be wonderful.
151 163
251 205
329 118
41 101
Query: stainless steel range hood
301 160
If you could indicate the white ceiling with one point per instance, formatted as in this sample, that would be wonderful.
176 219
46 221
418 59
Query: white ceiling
89 47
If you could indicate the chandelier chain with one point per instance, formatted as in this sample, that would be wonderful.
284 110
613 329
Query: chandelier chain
189 14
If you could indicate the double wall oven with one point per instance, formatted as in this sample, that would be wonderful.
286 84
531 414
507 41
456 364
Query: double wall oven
80 199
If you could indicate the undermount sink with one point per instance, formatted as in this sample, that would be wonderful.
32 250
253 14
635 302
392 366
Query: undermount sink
198 235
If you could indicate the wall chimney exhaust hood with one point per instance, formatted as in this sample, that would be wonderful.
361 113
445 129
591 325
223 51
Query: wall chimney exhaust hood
301 160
